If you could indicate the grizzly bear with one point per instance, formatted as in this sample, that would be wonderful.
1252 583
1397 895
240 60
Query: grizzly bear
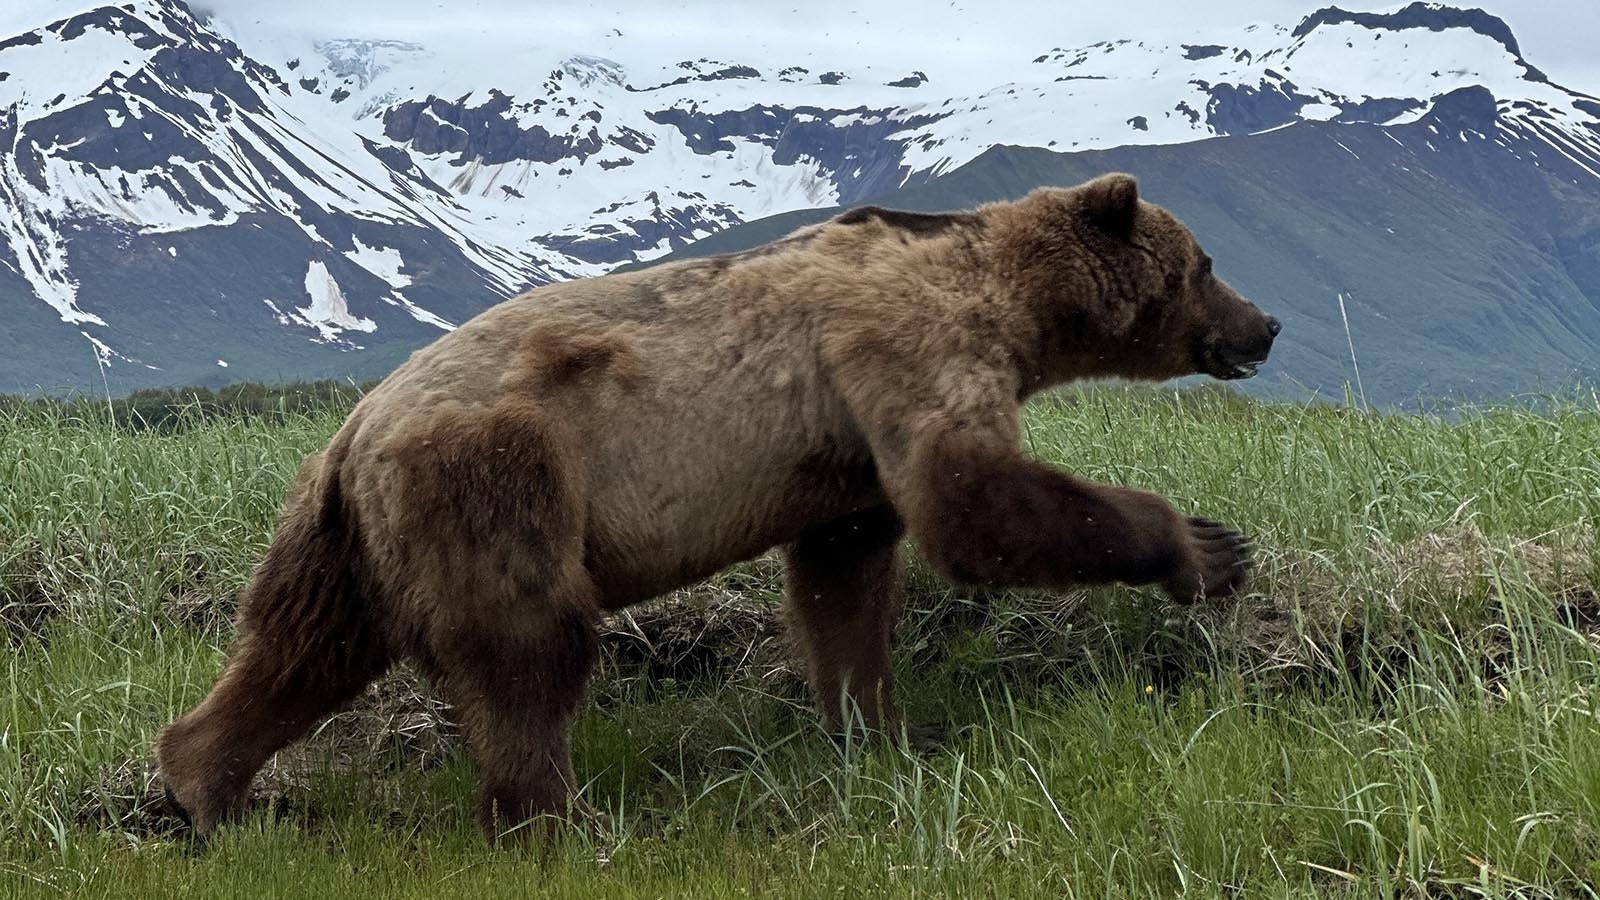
595 443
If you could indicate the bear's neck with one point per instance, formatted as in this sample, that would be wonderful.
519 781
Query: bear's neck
1049 305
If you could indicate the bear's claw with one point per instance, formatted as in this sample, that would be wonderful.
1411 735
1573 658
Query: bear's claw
1217 561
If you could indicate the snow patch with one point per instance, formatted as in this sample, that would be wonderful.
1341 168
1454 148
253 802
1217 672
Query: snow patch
103 353
30 228
384 262
328 312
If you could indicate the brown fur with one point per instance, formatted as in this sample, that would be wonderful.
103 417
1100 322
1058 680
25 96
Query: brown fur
596 443
914 223
843 596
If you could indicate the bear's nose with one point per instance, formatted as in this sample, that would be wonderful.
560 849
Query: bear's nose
1273 326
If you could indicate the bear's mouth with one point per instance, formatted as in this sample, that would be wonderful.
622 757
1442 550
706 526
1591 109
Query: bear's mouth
1220 365
1244 369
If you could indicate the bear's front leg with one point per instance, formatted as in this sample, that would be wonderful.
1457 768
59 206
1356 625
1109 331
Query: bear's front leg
843 596
991 517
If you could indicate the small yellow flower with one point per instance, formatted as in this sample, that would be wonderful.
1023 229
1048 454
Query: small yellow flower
1149 689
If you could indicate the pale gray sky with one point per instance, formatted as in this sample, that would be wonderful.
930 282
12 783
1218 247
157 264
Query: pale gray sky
1558 36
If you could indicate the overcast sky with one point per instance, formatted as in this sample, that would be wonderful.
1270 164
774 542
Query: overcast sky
1558 36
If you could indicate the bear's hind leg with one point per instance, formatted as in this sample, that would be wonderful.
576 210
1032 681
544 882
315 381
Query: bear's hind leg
843 598
306 647
266 698
490 523
516 681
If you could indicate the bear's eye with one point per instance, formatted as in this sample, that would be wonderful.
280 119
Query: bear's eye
1205 265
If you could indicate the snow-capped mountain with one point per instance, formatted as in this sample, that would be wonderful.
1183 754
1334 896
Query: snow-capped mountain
186 200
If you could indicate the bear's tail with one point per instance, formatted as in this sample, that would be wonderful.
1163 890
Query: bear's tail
308 643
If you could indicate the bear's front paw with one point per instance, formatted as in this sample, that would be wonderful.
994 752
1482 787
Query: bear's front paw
1215 561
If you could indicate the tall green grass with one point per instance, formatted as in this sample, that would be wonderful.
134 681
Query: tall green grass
1406 704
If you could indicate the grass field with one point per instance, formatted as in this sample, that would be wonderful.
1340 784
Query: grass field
1406 704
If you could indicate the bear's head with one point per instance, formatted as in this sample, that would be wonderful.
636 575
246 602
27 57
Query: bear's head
1128 292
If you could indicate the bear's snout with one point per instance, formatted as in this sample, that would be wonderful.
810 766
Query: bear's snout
1239 352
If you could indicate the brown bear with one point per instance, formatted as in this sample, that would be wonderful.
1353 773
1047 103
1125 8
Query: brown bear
592 444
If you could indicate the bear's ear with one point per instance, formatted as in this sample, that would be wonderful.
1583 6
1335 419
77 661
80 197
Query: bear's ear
1111 202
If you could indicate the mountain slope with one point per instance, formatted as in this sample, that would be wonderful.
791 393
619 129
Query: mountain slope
185 200
1467 272
175 216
